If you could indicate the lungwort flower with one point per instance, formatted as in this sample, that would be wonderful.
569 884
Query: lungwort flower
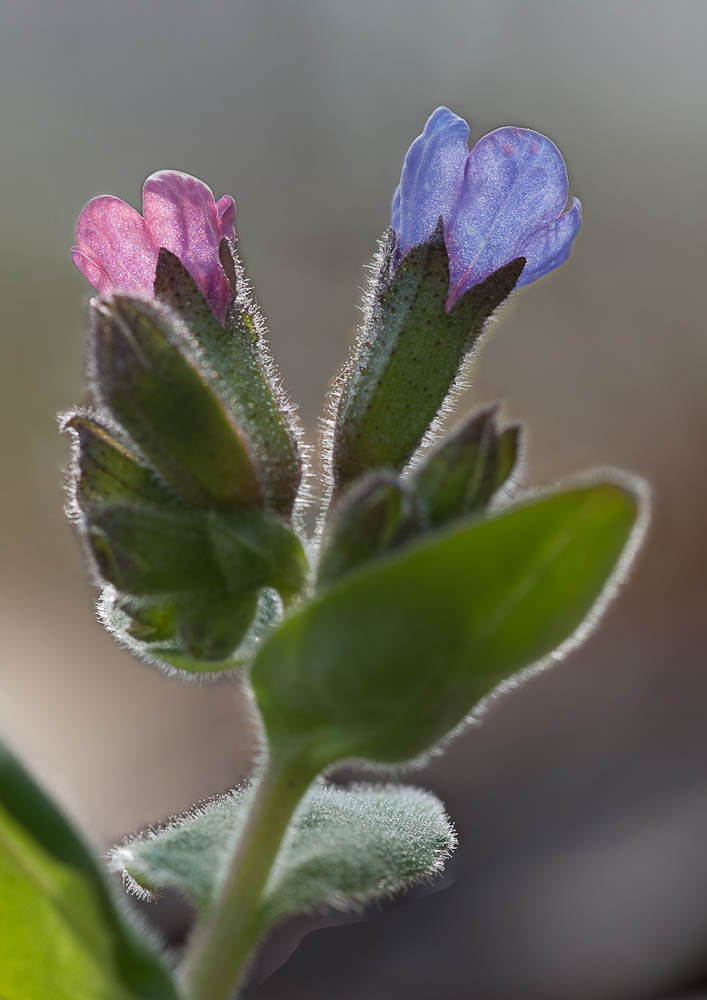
504 199
117 248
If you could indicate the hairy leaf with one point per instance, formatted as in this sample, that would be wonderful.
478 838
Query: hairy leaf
345 845
393 657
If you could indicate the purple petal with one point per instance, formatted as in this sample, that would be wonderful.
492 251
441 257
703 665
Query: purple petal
114 237
181 215
431 178
395 210
515 182
550 246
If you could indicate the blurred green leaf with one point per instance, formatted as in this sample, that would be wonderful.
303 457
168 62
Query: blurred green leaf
408 358
235 353
148 376
393 657
345 845
61 934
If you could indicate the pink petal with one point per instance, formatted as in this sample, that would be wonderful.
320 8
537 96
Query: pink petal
181 215
115 238
226 210
91 270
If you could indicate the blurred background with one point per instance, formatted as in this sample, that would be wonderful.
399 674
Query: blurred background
581 801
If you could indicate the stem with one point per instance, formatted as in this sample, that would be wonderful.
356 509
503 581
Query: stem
218 954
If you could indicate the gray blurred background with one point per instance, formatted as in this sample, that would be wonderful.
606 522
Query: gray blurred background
581 802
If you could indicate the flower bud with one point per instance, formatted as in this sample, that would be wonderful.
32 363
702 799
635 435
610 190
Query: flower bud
461 475
376 517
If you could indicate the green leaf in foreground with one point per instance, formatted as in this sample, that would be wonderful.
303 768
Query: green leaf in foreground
344 846
61 935
389 660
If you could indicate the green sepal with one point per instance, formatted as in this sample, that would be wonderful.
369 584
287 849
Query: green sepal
235 354
147 373
212 626
465 470
345 846
62 934
258 550
149 552
218 643
375 517
392 658
150 620
106 468
409 356
146 551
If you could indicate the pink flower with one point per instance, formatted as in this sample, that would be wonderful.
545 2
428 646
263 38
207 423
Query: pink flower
117 247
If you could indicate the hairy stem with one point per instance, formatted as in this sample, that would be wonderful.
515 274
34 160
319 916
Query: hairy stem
220 950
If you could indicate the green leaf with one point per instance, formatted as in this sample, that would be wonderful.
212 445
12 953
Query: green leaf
344 846
61 934
461 475
392 658
408 358
235 352
371 520
148 376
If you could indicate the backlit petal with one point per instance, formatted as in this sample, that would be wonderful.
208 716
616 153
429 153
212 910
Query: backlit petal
114 236
181 214
431 178
515 181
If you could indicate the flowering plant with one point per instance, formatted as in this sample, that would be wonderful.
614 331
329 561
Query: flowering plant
432 577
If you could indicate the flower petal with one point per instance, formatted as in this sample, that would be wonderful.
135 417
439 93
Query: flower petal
395 210
226 211
431 178
550 246
115 238
181 215
515 181
91 270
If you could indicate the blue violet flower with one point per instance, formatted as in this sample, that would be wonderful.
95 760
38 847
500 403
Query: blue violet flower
504 199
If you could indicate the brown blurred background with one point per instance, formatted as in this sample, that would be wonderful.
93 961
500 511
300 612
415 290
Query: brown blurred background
581 801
